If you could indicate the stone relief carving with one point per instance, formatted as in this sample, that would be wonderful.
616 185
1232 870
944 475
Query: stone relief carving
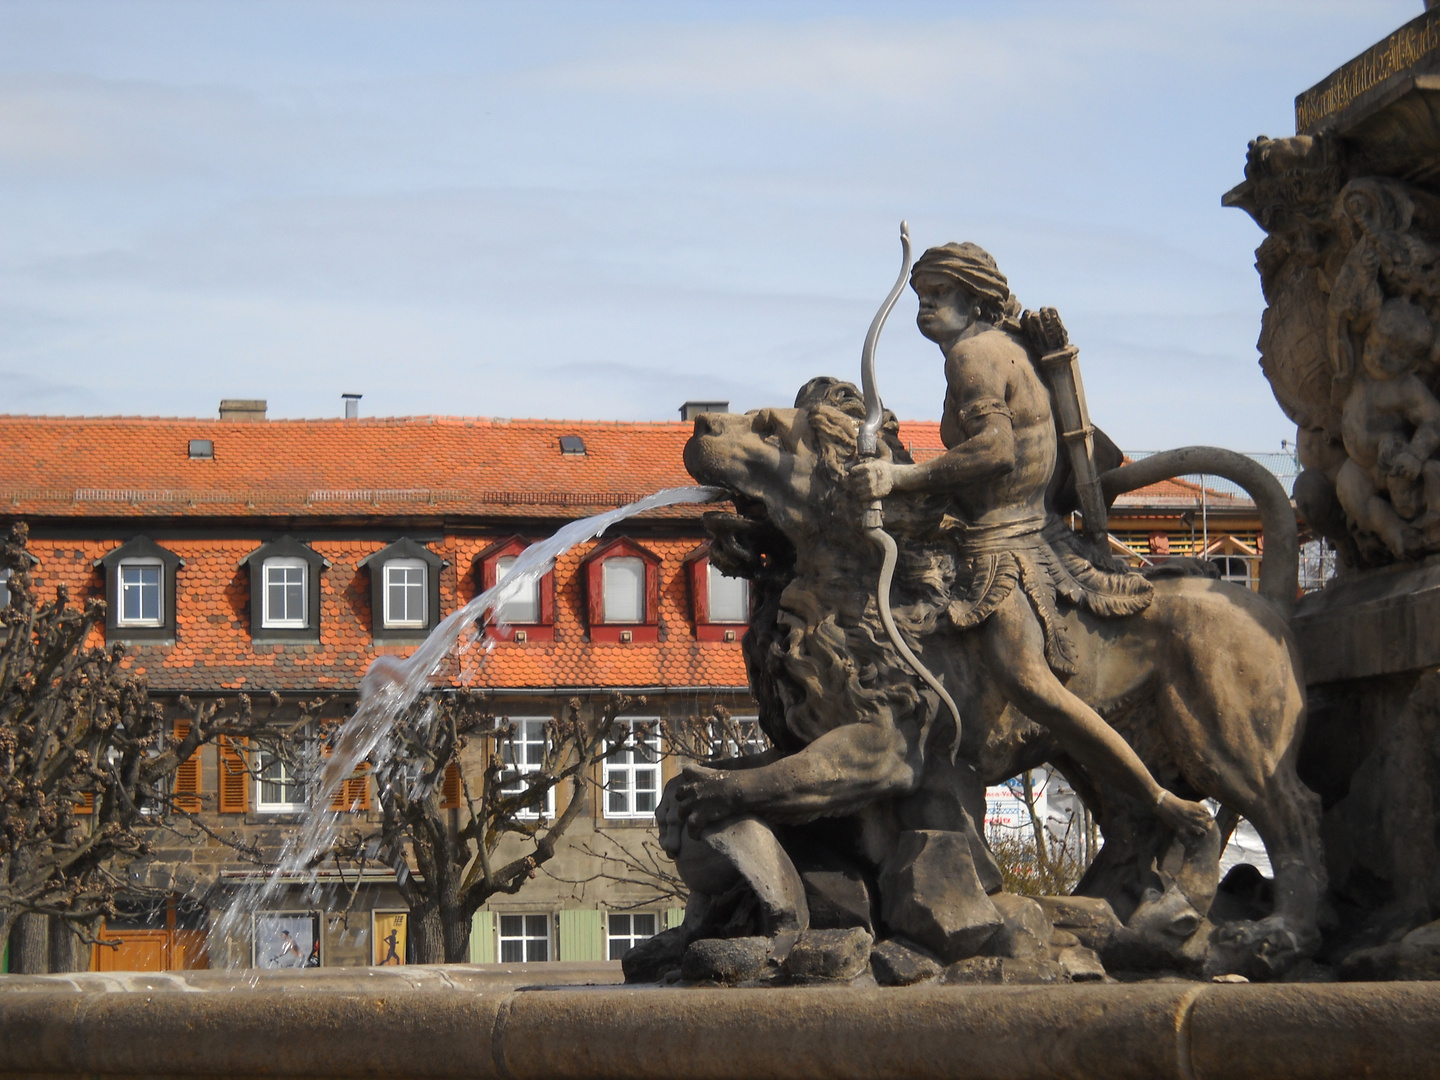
1348 341
862 818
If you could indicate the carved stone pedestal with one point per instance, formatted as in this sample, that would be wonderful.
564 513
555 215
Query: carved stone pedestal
1371 648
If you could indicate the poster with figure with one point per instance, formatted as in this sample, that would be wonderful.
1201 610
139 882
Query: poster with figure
286 939
387 937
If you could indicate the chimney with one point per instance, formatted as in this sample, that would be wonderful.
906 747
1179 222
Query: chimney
352 405
242 409
692 409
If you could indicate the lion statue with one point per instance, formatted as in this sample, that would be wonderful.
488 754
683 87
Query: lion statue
869 788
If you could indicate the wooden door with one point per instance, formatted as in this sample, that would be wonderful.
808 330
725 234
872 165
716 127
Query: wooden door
140 950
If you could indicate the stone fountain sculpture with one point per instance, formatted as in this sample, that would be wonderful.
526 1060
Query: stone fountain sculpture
896 679
1350 268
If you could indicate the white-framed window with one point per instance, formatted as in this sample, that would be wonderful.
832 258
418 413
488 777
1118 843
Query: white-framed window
522 606
729 597
285 592
142 587
279 789
739 738
622 583
521 753
1233 568
405 593
632 770
4 588
624 931
524 938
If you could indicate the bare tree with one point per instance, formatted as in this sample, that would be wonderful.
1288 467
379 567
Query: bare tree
86 764
643 866
447 851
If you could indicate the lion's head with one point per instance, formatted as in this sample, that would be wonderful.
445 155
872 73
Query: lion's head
788 466
816 654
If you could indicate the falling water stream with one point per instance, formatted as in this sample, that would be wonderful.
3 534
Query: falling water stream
388 689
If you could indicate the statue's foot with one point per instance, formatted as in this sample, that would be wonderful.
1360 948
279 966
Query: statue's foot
1190 820
1261 951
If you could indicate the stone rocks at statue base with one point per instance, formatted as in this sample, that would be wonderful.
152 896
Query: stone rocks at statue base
930 893
837 899
725 960
654 958
828 955
1025 931
1149 951
1091 920
1081 964
894 964
1261 951
1416 956
979 970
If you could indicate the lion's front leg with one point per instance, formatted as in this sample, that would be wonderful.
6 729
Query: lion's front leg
839 773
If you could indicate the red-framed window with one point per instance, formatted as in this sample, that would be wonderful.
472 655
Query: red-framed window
719 604
530 617
622 592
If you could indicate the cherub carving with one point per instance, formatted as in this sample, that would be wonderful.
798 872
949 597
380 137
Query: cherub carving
1391 426
1385 259
1351 273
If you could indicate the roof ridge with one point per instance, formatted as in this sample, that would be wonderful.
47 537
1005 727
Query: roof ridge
361 421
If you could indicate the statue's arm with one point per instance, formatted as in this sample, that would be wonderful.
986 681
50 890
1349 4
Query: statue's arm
977 374
841 771
977 425
1424 412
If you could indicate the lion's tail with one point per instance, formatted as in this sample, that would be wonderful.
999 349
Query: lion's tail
1280 561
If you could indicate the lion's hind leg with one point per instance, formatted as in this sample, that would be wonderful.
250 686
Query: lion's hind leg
1234 726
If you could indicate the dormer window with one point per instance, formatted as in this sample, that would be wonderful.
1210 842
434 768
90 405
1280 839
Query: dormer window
623 586
622 592
405 593
142 587
527 613
729 597
721 603
522 605
404 589
285 591
140 591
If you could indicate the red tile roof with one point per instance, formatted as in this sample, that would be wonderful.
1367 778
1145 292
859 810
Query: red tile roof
417 465
410 466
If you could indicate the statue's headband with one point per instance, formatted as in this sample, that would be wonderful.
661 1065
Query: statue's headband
969 264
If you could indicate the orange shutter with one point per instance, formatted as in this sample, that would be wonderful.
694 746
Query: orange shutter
450 788
187 776
353 794
234 777
86 805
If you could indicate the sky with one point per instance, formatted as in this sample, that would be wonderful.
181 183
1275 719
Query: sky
600 210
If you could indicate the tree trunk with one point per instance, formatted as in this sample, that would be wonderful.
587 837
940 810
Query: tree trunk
455 924
67 951
427 935
7 920
29 947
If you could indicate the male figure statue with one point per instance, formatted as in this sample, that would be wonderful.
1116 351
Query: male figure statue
1015 559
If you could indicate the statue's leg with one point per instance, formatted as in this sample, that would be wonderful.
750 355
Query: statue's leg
741 883
1014 652
741 880
1234 729
1361 500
